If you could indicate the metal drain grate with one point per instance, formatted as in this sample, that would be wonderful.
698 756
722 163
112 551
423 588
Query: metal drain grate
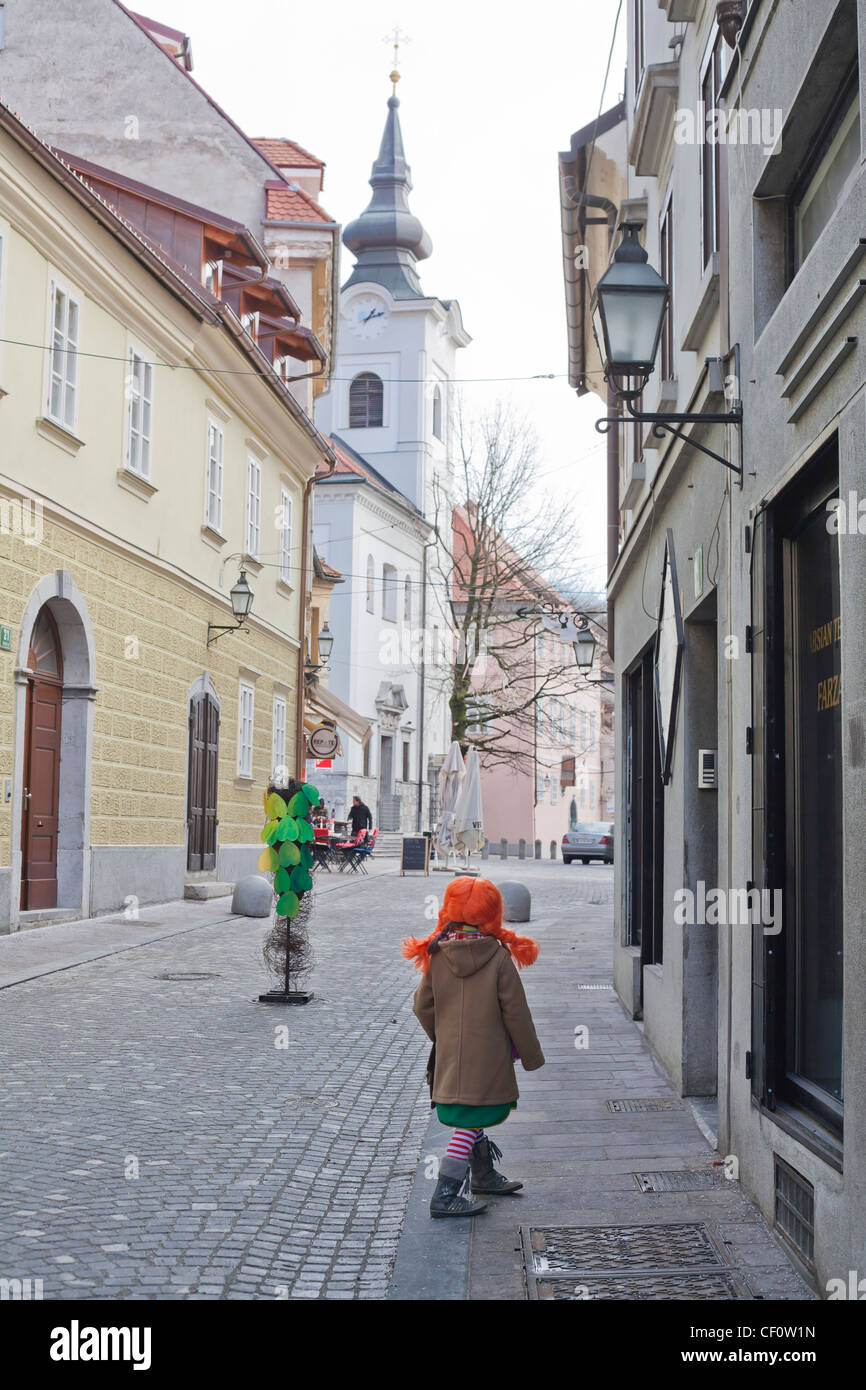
607 986
678 1260
683 1181
712 1287
622 1107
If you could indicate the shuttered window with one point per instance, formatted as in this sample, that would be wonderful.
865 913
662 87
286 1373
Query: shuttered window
366 402
254 508
246 707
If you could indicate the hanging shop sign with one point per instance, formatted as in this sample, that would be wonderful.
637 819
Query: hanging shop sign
324 740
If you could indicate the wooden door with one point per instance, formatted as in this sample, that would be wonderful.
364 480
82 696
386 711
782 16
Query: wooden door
41 798
202 783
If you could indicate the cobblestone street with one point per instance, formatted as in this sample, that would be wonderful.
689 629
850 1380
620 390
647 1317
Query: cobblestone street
161 1142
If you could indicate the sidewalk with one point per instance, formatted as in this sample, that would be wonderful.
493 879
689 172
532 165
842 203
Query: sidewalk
579 1160
44 950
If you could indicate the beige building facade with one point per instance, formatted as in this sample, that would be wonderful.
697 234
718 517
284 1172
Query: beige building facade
150 453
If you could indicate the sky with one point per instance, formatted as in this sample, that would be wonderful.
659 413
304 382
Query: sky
489 95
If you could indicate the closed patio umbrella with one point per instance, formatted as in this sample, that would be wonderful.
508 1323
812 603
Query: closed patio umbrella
468 824
450 781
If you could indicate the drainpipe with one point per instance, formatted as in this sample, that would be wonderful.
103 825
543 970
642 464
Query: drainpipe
305 599
421 719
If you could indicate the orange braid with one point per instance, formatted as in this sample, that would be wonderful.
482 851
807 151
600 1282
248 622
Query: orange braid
478 903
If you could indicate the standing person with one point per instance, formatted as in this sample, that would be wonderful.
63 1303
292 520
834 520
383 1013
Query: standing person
470 1003
359 816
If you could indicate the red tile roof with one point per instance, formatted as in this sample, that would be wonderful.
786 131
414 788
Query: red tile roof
352 465
287 154
285 202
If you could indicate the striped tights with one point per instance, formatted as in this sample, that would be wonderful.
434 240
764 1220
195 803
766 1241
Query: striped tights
462 1142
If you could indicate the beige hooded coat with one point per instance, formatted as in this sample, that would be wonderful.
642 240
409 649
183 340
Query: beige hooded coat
472 1005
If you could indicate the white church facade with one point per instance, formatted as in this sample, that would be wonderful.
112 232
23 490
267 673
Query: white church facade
388 411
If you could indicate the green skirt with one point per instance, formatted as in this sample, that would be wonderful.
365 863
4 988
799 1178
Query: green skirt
474 1116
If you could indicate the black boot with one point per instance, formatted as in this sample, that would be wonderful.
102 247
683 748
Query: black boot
484 1176
447 1199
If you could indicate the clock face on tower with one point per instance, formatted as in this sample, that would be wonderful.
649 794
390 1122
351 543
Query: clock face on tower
367 316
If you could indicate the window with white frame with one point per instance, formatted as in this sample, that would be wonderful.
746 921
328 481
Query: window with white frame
62 402
573 725
554 787
254 508
215 455
407 601
139 383
278 751
438 428
246 707
371 579
592 730
285 537
389 593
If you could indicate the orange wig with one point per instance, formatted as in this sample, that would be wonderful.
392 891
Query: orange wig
475 902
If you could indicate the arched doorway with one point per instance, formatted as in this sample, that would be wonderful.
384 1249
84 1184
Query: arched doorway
54 704
41 796
202 777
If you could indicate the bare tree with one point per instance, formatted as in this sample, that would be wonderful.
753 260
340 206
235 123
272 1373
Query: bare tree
495 544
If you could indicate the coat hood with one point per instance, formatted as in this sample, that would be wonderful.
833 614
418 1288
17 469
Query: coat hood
466 957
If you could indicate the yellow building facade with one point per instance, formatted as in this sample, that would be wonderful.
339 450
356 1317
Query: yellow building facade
134 754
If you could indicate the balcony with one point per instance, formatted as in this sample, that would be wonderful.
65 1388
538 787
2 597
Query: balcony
654 118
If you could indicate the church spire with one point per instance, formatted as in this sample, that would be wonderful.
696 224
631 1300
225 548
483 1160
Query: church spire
387 239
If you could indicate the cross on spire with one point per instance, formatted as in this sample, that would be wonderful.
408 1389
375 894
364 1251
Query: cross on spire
396 38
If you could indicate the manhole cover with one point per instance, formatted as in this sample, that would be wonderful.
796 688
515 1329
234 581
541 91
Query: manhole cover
687 1181
621 1107
677 1260
188 975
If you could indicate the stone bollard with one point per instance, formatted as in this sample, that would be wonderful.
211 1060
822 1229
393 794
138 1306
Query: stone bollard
503 848
516 901
553 849
521 849
253 897
538 849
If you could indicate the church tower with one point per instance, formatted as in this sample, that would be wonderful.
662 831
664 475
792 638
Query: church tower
391 394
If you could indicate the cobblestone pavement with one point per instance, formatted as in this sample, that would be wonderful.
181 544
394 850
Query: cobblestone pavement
168 1139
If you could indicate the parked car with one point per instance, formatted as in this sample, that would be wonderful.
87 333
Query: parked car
592 840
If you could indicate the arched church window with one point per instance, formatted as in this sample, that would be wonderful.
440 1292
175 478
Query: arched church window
366 402
437 413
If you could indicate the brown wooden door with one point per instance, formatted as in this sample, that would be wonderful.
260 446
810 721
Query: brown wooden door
204 723
41 801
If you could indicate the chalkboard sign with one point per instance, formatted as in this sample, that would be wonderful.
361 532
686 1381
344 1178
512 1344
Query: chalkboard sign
415 855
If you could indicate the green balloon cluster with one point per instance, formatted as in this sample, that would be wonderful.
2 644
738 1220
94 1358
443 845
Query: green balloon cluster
288 836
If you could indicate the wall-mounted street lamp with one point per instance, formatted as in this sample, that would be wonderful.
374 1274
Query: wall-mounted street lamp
326 646
242 601
584 643
629 304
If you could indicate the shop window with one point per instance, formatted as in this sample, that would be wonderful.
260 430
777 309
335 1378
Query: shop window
644 816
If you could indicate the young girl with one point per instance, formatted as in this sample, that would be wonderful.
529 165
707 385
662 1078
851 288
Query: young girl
471 1003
